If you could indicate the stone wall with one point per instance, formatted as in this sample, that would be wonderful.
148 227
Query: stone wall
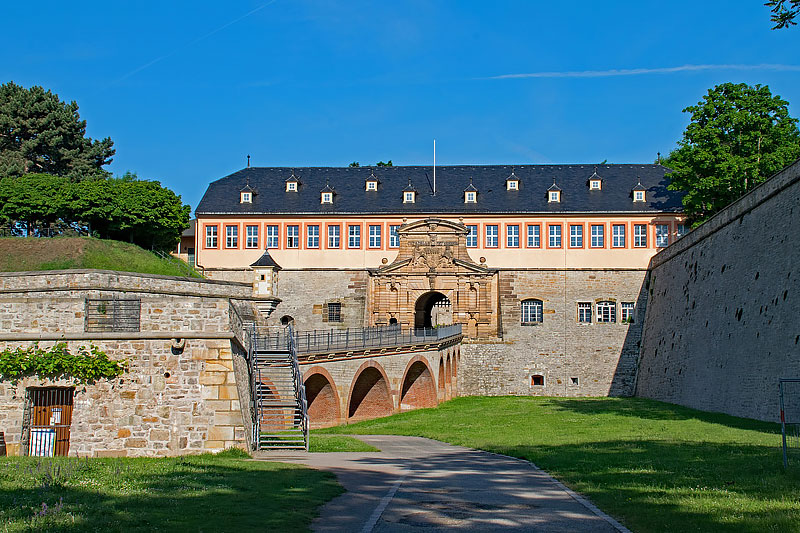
572 358
177 397
722 324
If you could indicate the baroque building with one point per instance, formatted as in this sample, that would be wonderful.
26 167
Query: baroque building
543 265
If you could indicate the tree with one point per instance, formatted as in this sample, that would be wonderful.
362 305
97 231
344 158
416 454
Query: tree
355 164
33 201
382 164
40 133
739 135
784 12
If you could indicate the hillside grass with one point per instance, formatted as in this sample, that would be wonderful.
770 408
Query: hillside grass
226 492
19 254
655 466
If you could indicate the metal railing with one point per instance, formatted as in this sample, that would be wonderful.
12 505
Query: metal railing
185 267
299 386
321 341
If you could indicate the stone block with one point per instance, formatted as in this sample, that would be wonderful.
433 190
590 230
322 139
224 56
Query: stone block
212 378
159 435
123 433
220 433
111 453
228 418
135 443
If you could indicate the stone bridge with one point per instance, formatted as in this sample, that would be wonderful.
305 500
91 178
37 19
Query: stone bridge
357 384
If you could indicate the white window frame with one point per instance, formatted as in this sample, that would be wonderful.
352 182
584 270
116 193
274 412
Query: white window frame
470 197
375 236
312 236
512 185
555 196
534 236
638 196
576 236
681 231
585 312
334 236
662 235
394 238
232 236
246 198
512 236
291 186
292 236
472 236
273 239
606 312
211 236
598 236
354 236
408 197
554 236
595 185
491 236
372 185
640 235
618 237
627 312
327 198
251 237
531 312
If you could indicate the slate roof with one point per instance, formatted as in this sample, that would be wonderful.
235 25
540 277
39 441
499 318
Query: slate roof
222 195
266 260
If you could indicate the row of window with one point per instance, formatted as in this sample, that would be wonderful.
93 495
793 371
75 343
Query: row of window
597 236
605 312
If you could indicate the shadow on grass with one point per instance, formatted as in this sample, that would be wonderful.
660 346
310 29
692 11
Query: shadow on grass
184 494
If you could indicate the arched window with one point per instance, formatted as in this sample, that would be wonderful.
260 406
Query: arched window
531 312
286 320
606 311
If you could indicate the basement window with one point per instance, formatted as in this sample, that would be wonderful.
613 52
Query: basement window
537 380
334 312
573 381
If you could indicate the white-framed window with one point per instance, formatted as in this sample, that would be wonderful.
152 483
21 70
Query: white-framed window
251 237
512 236
491 236
374 236
292 236
394 238
638 196
408 197
472 236
372 185
584 312
246 198
334 236
334 312
470 197
681 231
291 186
554 196
618 235
327 198
231 236
606 312
662 235
531 312
211 236
627 312
640 235
598 236
273 237
354 236
512 185
554 235
576 236
534 236
595 185
312 236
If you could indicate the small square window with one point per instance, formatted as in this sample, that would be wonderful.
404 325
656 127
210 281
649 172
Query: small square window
408 197
334 312
469 198
372 185
247 198
327 198
573 381
512 185
537 380
555 196
291 186
638 196
595 185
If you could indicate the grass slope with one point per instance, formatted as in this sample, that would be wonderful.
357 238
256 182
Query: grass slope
61 253
338 443
198 493
656 466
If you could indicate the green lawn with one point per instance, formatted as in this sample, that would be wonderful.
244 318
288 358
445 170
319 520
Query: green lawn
655 466
195 493
338 443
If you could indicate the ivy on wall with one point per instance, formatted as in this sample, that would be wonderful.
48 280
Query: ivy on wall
85 367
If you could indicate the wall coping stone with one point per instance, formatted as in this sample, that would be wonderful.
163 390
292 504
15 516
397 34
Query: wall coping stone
750 201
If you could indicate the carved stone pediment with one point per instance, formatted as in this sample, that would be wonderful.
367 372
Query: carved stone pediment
433 246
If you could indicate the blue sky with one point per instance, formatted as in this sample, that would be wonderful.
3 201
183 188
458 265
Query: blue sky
187 90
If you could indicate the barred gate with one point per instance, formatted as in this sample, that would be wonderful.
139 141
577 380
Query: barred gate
47 420
790 418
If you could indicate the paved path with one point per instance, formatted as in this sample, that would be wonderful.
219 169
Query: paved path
417 484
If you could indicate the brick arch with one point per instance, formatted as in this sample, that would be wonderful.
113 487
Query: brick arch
370 394
322 397
418 389
448 372
442 379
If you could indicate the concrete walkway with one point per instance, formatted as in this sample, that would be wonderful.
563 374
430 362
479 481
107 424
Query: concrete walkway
417 484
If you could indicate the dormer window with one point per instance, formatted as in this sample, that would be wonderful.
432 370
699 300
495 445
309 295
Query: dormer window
512 182
640 192
470 197
408 197
638 196
327 198
595 184
372 185
291 186
246 198
554 196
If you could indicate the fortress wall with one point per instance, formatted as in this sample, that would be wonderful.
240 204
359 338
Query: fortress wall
723 323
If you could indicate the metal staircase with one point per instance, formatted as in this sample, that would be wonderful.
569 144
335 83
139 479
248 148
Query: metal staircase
280 414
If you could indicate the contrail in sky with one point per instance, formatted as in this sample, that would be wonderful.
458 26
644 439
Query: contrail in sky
190 43
640 71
